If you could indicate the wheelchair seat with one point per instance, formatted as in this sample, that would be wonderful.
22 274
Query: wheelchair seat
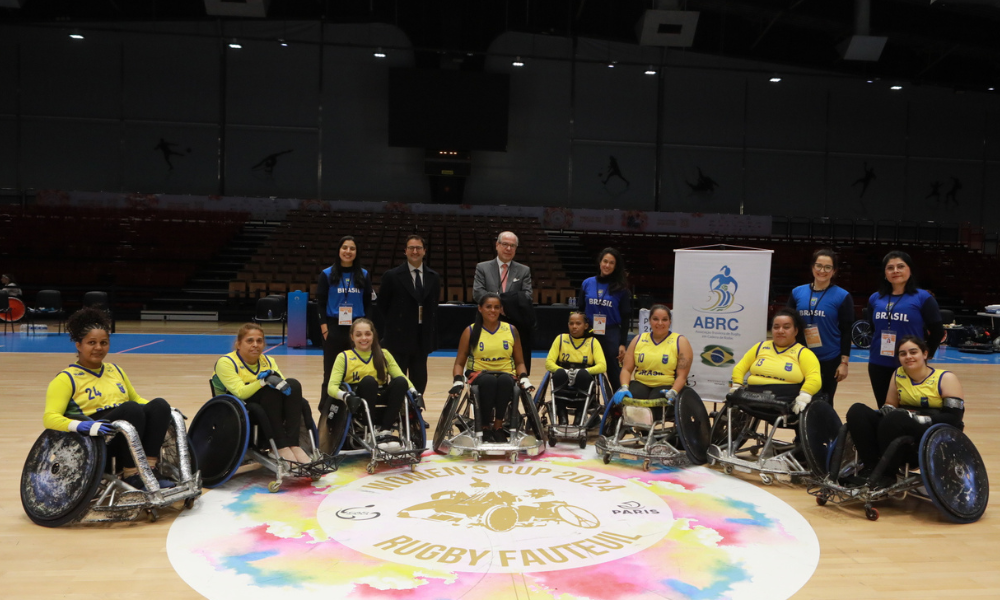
458 429
358 432
584 404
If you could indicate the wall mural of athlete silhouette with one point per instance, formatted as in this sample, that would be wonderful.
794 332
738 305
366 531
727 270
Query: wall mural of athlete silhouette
167 149
264 169
613 171
703 184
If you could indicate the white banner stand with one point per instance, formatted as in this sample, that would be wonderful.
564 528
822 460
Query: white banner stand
720 305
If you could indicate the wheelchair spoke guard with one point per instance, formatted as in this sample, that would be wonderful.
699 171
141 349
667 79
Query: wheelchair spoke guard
219 434
954 474
818 430
61 476
693 426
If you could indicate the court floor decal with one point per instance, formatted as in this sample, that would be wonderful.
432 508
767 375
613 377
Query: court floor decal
561 526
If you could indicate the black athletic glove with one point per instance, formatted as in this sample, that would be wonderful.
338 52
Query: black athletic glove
278 383
459 383
353 402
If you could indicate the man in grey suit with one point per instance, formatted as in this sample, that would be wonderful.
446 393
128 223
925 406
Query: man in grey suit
512 281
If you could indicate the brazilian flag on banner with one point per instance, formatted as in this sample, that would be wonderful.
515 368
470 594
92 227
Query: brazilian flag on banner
717 356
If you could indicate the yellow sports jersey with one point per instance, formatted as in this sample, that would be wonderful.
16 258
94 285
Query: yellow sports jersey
768 365
919 394
79 392
234 376
494 352
656 364
352 366
571 353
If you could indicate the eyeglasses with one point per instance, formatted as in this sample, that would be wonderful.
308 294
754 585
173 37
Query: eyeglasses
823 268
508 245
414 248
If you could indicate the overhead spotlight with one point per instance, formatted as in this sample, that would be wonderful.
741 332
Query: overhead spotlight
896 88
611 65
283 43
871 81
650 70
379 53
76 36
990 89
235 45
775 79
517 62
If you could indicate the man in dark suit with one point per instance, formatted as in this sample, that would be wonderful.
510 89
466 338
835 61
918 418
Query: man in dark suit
408 301
512 281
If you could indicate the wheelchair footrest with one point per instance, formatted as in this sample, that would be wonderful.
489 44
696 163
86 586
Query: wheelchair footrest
780 464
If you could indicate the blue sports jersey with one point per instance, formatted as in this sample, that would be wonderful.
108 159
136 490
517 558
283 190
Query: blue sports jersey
343 292
598 301
822 309
907 314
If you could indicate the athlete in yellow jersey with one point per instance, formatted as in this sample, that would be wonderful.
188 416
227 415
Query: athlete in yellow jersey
784 365
659 360
373 376
254 378
99 391
919 396
489 353
574 359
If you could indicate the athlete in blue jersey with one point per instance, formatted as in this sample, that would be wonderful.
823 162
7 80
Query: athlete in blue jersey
828 313
607 302
899 309
343 294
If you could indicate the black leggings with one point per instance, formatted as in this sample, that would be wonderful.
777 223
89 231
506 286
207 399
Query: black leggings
880 378
828 372
495 393
609 345
338 339
150 421
390 396
284 413
872 433
560 379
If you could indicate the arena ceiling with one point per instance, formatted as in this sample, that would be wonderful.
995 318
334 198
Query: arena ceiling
936 42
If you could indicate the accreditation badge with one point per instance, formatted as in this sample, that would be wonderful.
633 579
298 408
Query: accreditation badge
888 347
346 314
813 339
600 324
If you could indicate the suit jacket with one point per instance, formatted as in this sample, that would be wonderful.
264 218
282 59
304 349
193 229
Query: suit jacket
398 302
488 279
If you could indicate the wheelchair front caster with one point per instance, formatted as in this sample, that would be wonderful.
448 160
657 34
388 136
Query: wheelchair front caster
513 456
274 486
552 441
645 465
871 513
727 469
475 457
820 500
189 503
153 515
370 468
766 479
583 443
413 468
606 458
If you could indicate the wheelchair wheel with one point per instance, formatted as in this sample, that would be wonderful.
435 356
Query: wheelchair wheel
861 334
418 431
954 474
721 426
693 426
843 461
818 429
61 475
219 434
531 414
446 426
170 464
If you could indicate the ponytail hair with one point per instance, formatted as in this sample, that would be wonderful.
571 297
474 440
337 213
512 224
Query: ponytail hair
377 357
477 325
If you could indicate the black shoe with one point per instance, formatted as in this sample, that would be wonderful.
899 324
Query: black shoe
488 436
563 415
163 481
500 436
135 481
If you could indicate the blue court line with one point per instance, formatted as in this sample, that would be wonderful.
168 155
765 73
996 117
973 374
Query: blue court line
184 343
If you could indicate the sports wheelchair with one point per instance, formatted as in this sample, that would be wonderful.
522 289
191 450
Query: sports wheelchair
226 436
656 429
555 408
67 477
943 466
459 430
737 444
356 429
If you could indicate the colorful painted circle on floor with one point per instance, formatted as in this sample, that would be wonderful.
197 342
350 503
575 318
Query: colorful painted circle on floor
561 526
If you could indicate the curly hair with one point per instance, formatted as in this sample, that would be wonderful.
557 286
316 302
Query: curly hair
86 320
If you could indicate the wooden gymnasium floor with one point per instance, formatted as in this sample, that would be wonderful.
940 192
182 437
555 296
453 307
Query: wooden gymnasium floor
909 553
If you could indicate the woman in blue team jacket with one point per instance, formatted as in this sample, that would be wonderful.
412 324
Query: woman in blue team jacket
607 301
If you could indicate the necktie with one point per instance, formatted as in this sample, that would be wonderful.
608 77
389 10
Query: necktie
419 285
503 277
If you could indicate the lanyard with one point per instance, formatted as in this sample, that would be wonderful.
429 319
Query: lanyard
889 305
346 281
812 317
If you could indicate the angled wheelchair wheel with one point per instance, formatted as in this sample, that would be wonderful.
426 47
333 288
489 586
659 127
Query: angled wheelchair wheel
219 435
818 430
531 414
61 475
418 431
170 462
721 426
446 426
861 334
693 426
953 473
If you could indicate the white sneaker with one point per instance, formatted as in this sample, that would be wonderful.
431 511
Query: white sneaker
392 446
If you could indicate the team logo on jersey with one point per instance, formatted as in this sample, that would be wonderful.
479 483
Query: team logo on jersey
505 345
813 301
788 367
722 293
714 355
600 292
121 388
665 358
